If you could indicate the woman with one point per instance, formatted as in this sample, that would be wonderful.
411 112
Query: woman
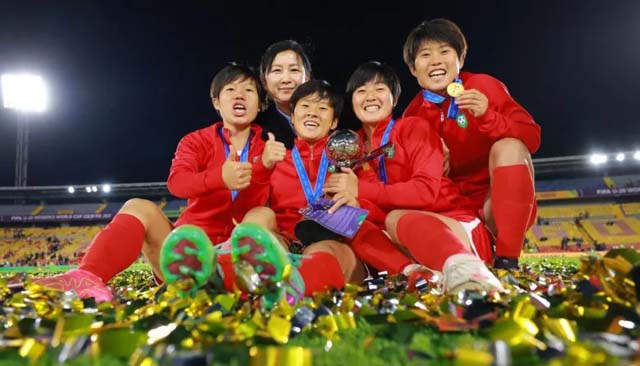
426 210
284 66
212 169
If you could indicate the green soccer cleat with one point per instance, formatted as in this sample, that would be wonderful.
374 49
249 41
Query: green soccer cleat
187 258
262 266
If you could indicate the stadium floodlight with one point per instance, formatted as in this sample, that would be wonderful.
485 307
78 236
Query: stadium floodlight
597 159
94 189
106 188
620 157
88 189
71 190
636 155
24 92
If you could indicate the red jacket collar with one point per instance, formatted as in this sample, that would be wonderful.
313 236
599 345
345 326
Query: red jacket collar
305 147
380 127
378 131
256 132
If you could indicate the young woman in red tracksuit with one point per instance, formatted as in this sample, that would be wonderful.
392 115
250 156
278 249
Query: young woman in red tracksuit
212 169
427 213
489 135
315 107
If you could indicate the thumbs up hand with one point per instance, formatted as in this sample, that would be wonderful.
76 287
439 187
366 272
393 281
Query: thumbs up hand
274 151
236 175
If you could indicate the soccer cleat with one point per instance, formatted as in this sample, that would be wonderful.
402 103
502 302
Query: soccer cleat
262 265
506 263
84 283
416 272
466 271
187 258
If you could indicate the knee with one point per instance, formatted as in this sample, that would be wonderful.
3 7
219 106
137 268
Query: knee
262 216
391 222
392 219
262 211
143 210
508 151
320 246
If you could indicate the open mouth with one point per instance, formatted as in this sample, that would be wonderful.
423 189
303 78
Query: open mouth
239 109
372 108
311 124
438 73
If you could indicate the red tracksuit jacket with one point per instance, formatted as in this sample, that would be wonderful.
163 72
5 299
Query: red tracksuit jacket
285 191
414 172
469 147
196 174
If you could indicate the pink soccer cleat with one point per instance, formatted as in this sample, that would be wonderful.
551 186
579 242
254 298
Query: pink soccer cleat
84 283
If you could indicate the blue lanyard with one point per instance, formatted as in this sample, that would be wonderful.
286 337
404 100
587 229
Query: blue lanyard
436 98
244 156
382 170
288 118
311 195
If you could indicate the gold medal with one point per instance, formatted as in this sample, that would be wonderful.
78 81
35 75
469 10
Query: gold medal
455 89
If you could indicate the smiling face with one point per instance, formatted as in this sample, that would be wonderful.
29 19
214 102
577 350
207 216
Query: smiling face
286 73
372 102
313 118
238 102
436 65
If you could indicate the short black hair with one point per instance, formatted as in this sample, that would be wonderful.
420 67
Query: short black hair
273 50
323 89
375 71
440 30
230 73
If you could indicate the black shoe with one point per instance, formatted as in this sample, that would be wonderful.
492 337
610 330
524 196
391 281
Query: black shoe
506 263
309 232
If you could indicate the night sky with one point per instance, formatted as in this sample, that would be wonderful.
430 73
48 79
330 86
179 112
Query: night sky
128 79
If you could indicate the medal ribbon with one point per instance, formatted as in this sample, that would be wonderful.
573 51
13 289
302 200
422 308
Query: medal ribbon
311 195
382 170
437 98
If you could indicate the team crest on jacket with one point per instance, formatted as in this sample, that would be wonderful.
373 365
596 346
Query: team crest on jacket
461 120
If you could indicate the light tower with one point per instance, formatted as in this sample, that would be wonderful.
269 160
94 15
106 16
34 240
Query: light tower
25 93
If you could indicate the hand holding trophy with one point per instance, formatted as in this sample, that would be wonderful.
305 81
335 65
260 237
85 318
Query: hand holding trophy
345 149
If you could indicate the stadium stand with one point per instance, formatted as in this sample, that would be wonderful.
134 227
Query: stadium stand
632 180
53 227
71 208
596 226
631 209
36 246
570 184
173 208
18 209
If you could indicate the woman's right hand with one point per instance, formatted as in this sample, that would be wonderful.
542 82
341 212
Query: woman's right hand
236 175
274 152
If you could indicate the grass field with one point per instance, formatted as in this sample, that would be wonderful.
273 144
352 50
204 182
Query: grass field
527 259
152 326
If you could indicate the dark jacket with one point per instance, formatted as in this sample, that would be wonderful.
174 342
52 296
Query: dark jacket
272 121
